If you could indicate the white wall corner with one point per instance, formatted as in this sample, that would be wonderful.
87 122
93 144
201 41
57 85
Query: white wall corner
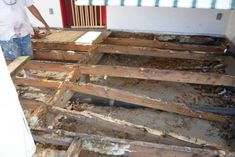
230 31
168 20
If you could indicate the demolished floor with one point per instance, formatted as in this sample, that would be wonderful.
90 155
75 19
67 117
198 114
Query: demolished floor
129 94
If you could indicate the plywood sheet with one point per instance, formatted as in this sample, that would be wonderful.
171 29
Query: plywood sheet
63 36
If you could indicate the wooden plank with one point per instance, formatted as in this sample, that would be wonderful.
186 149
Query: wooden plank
159 75
58 55
102 37
69 46
119 147
37 83
100 15
96 24
49 66
135 131
147 51
61 36
132 131
17 65
91 15
145 101
87 17
82 15
73 12
76 15
92 27
74 148
163 45
62 96
49 152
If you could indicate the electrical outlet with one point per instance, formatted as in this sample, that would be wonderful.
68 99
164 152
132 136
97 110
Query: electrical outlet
219 16
51 11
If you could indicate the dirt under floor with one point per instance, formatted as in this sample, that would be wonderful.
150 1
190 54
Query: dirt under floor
191 95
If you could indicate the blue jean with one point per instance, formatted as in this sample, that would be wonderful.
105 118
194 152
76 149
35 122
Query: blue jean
16 47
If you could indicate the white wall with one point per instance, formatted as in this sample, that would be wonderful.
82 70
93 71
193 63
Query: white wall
230 33
54 20
167 20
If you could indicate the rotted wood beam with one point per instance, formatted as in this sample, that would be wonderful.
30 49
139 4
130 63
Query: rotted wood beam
156 52
145 101
163 45
119 147
159 75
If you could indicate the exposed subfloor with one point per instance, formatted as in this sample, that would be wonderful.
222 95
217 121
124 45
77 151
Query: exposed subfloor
203 97
194 95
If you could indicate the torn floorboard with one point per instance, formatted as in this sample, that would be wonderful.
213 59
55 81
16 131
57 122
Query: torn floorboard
116 126
131 131
114 146
156 135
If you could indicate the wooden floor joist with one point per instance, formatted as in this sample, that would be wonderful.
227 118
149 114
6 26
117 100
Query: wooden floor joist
159 75
37 83
69 46
74 148
49 66
145 101
58 55
17 65
155 52
163 45
134 130
124 96
119 147
63 95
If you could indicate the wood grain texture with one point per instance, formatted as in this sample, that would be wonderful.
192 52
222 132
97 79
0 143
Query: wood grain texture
159 75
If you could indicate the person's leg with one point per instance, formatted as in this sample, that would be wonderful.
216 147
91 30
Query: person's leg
26 50
10 49
26 46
